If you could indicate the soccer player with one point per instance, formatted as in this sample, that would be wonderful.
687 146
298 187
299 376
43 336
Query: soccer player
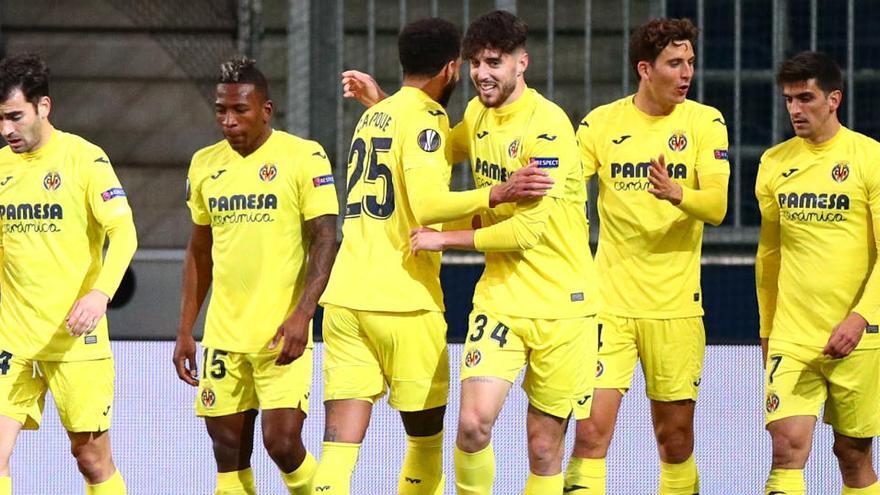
59 200
661 162
264 232
383 321
817 281
534 306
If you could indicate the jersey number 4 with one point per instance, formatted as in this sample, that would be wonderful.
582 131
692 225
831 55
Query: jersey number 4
376 206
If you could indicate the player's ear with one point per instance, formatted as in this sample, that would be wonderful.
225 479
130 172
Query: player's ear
268 109
44 107
835 98
523 63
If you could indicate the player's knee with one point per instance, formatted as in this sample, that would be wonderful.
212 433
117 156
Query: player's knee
675 444
592 437
92 462
852 454
789 451
474 430
544 452
282 448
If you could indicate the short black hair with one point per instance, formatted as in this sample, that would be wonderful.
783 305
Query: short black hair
427 45
811 65
243 70
652 37
26 72
497 30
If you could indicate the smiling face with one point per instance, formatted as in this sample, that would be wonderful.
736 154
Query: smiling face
668 79
496 75
813 113
243 114
24 125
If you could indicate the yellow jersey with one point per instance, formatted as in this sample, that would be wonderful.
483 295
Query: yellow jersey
57 205
398 179
549 273
648 255
824 201
257 206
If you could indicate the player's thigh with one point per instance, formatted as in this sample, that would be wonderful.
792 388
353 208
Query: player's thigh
672 354
618 352
282 386
83 392
494 347
351 367
22 391
853 404
413 355
559 379
227 384
793 382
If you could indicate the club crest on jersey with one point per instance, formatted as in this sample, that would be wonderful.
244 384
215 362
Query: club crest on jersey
473 358
52 181
600 369
678 141
268 172
840 172
513 149
208 398
772 403
429 140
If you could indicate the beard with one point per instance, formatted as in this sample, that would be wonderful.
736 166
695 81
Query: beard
505 89
447 93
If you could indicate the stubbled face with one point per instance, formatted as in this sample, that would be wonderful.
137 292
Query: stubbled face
24 125
669 77
243 114
450 86
809 108
495 75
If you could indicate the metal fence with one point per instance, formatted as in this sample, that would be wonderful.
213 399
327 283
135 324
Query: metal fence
575 43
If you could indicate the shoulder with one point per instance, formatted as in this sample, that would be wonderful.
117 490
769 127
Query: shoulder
83 150
204 157
775 157
703 115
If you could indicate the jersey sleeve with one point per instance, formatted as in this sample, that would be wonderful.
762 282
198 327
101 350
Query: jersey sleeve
109 205
194 199
712 153
521 231
553 148
459 146
869 304
768 258
586 140
317 192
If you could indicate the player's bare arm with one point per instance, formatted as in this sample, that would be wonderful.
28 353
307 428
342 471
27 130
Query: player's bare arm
294 332
362 87
846 336
197 276
663 187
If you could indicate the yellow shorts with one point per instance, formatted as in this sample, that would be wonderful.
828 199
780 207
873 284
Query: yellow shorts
233 382
555 352
83 392
671 352
368 352
798 380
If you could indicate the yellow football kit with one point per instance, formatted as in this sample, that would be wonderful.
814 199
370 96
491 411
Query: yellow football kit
57 206
820 209
539 270
648 257
256 207
383 322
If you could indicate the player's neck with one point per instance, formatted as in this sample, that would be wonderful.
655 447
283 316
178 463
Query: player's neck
45 135
259 142
826 133
649 105
518 91
427 85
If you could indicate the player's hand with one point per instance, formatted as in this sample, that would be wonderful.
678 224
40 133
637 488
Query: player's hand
185 360
86 313
362 87
765 344
294 333
845 336
425 239
662 187
526 183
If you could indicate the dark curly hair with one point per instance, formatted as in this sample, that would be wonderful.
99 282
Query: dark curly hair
427 45
243 70
649 39
811 65
498 30
26 72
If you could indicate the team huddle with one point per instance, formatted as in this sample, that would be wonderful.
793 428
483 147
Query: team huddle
264 210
